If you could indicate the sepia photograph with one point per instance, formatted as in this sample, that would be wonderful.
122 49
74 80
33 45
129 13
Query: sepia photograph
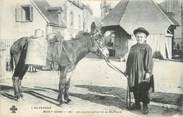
91 58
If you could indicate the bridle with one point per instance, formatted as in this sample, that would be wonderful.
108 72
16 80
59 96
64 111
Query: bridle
106 58
93 39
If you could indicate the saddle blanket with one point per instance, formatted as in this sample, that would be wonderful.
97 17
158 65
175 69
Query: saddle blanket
36 52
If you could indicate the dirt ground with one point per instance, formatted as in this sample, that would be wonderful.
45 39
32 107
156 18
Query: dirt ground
96 90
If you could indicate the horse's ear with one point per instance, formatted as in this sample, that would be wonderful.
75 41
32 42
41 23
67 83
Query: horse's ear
93 27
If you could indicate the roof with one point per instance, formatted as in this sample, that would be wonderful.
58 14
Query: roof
76 3
115 15
56 2
131 14
169 15
49 13
87 7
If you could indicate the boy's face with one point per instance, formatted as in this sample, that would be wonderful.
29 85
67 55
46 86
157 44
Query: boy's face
140 37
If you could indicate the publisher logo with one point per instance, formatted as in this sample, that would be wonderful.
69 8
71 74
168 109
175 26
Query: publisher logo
13 109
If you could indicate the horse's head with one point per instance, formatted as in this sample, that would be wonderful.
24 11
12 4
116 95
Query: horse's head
92 40
98 41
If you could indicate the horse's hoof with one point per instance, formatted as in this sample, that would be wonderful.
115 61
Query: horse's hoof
67 101
60 101
21 95
22 99
60 104
16 97
58 98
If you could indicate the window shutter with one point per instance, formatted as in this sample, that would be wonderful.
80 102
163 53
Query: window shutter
18 14
31 13
23 14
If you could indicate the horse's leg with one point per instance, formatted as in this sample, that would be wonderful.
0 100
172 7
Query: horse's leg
20 88
15 77
67 86
24 70
62 81
16 88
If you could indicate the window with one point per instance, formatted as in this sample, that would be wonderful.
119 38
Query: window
79 21
24 13
71 18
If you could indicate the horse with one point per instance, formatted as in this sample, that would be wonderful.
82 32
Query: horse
72 51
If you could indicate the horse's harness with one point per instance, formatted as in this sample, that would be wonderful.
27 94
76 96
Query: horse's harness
92 37
108 62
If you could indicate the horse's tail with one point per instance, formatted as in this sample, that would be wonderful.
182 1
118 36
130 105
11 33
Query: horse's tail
11 61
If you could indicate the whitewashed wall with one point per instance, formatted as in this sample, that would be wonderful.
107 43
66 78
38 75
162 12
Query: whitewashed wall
77 26
88 19
10 29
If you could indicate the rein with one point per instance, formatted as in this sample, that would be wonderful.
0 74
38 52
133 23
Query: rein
108 62
113 66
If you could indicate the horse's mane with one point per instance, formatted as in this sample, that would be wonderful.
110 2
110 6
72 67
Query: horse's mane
81 35
81 38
